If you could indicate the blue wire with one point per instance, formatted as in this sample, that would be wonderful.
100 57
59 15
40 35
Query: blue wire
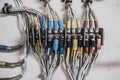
61 50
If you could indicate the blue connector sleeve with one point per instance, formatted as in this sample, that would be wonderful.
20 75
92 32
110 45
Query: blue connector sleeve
55 45
49 24
41 20
3 47
60 24
56 26
61 50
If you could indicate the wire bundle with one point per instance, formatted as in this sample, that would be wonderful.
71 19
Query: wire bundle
19 46
74 47
52 39
28 24
82 43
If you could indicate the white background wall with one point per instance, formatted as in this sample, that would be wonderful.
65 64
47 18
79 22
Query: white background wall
107 66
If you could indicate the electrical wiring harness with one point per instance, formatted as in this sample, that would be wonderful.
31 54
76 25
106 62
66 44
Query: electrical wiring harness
28 25
83 42
52 41
74 47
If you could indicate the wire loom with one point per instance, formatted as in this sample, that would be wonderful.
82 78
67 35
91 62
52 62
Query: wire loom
72 47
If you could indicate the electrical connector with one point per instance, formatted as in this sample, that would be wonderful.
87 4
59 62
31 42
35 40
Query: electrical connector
55 44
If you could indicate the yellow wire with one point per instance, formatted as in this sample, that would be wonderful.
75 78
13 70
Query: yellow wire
68 51
79 51
38 46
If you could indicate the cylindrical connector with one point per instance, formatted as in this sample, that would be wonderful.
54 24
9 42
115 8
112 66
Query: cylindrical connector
85 25
90 23
56 26
36 20
75 44
2 63
61 50
98 41
55 44
55 23
36 30
96 24
41 21
49 24
69 24
73 24
68 30
60 24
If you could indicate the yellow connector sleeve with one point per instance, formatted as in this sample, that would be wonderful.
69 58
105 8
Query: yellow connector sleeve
69 24
36 20
36 23
75 44
2 63
73 24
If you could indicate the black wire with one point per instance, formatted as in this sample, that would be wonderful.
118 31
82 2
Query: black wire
72 12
